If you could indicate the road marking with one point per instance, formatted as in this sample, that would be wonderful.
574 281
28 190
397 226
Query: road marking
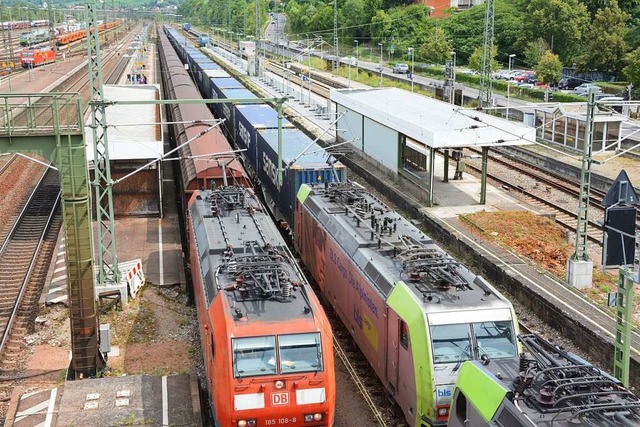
165 402
52 403
31 411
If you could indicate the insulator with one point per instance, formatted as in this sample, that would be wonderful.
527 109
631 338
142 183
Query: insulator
286 290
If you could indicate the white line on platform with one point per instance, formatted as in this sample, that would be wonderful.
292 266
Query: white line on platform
52 403
160 253
60 261
56 289
59 269
165 402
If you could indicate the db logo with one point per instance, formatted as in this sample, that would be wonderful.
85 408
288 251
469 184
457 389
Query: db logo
280 398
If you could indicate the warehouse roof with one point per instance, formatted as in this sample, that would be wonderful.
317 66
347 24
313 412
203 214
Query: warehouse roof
434 123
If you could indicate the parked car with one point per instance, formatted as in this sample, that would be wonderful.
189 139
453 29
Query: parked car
515 73
400 68
501 75
584 88
567 83
526 77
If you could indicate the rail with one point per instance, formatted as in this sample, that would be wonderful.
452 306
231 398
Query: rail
41 201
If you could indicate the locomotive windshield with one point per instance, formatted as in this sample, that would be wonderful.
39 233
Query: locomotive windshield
460 342
256 356
300 353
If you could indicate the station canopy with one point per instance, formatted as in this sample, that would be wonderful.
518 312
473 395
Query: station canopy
435 124
134 131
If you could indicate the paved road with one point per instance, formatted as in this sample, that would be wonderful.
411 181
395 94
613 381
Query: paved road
275 29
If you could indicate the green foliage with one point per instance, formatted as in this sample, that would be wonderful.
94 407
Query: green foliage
549 68
534 50
632 70
561 23
607 47
436 49
381 25
475 61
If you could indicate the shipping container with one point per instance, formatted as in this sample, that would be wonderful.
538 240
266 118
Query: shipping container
186 26
226 110
247 120
203 40
217 85
303 162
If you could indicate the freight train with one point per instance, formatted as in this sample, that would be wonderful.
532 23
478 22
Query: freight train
415 312
266 341
549 387
36 57
72 36
254 128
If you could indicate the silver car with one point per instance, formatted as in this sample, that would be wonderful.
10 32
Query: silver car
400 69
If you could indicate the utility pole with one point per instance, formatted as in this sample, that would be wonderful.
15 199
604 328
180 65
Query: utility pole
579 265
257 49
485 97
336 61
107 255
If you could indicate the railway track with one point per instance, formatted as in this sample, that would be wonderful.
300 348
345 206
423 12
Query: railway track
19 253
112 67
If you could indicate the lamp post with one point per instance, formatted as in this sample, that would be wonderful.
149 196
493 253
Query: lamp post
349 65
357 57
513 55
381 67
453 84
411 52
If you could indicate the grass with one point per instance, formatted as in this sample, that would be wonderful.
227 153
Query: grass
135 325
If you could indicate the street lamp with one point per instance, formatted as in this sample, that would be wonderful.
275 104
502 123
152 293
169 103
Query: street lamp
513 55
411 52
381 67
357 57
453 84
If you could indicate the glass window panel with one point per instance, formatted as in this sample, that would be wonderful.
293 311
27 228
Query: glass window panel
255 356
451 343
300 353
495 339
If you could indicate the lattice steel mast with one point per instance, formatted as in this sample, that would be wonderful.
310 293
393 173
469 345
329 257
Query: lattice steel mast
107 256
486 91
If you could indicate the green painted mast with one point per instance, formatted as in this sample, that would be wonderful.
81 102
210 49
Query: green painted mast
108 271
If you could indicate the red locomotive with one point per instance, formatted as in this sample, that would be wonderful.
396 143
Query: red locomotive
36 57
266 341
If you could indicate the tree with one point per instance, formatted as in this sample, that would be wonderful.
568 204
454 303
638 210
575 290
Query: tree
560 23
607 47
534 51
549 68
381 26
475 60
632 71
436 48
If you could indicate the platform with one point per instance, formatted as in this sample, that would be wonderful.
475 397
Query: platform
127 400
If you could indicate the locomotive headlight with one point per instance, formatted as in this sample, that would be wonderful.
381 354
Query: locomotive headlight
279 384
317 417
247 423
443 411
242 423
308 418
